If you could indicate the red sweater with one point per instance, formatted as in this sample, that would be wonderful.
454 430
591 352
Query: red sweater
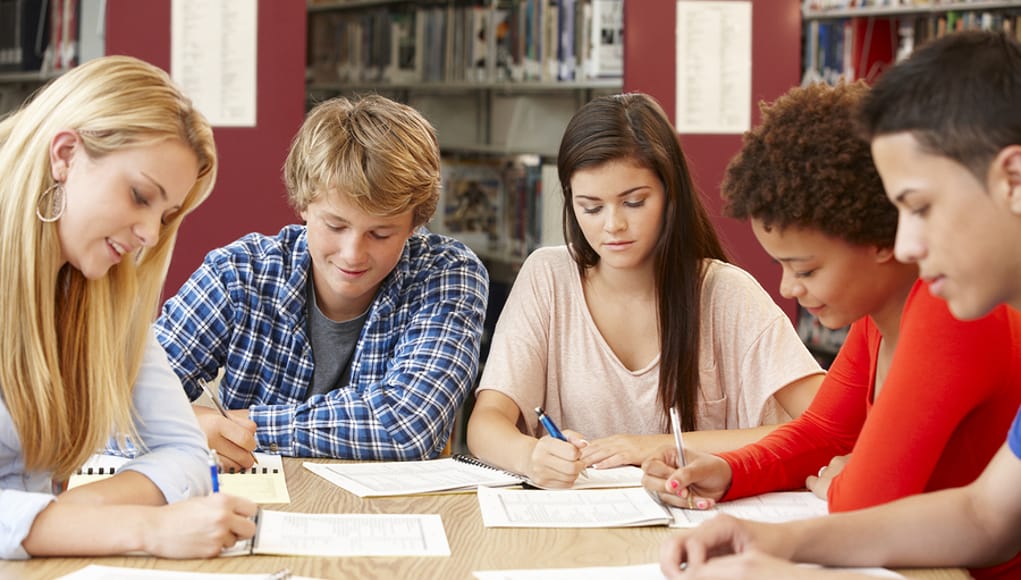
951 392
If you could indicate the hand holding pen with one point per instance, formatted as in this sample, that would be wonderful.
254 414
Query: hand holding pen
684 477
234 439
556 472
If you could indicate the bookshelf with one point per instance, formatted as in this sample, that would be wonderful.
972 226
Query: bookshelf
499 101
860 42
820 10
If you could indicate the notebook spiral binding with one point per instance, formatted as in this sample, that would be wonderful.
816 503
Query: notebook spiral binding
472 460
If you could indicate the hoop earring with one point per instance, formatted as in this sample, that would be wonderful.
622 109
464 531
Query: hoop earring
51 204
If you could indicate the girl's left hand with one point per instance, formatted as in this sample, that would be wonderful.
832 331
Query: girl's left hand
617 450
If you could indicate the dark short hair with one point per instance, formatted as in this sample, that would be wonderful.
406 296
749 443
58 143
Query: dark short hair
806 166
959 96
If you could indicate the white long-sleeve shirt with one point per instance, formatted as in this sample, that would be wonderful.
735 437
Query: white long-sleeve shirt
176 460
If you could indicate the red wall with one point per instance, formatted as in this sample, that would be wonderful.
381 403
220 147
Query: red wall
649 66
249 194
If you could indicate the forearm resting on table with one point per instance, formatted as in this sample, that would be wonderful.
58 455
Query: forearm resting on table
718 441
74 529
496 440
127 487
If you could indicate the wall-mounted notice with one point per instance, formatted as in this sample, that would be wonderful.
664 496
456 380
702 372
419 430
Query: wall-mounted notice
213 57
714 67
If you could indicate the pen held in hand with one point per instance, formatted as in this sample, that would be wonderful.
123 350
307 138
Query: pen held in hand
675 424
214 470
552 428
219 407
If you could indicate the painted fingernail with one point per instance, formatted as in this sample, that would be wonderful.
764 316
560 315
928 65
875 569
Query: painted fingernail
683 492
673 485
701 504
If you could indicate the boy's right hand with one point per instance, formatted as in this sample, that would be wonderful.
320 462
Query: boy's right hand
233 438
200 527
555 463
698 485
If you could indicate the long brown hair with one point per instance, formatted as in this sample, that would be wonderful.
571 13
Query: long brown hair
634 127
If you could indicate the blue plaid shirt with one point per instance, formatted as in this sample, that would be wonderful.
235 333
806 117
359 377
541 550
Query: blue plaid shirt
245 310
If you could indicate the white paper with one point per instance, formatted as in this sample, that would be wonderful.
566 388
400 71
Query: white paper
714 67
97 572
622 476
213 57
383 478
300 534
633 572
264 482
594 508
774 507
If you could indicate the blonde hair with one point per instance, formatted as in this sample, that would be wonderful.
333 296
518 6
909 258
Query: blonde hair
71 348
382 155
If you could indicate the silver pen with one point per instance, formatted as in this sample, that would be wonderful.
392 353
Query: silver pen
675 424
219 407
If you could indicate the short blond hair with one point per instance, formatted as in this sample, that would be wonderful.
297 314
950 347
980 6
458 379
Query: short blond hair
382 155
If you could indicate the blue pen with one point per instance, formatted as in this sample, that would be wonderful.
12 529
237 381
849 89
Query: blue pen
214 471
547 423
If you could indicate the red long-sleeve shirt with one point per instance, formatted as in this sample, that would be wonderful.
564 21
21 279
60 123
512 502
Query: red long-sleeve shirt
950 395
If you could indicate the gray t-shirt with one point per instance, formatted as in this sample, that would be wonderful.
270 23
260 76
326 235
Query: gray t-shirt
333 343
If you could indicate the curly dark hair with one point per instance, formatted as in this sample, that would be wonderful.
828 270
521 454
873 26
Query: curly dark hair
807 166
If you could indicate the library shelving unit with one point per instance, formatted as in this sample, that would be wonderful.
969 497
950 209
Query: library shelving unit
476 70
859 42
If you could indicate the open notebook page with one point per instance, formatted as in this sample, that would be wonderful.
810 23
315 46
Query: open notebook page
262 483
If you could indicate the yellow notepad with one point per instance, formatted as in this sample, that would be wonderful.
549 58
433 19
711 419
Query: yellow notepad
262 483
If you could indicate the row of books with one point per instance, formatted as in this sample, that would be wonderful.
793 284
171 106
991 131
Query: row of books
41 35
861 48
502 207
509 41
823 5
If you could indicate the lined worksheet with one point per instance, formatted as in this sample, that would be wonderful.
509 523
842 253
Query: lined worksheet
593 508
301 534
782 506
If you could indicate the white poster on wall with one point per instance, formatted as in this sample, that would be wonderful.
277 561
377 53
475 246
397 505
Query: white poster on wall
213 57
714 67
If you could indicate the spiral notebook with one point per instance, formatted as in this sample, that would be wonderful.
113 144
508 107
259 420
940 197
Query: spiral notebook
262 483
384 478
449 475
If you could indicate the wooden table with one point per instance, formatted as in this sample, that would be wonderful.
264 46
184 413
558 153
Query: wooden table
473 547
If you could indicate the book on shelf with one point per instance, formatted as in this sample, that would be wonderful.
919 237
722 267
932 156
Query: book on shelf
502 207
24 34
481 42
854 48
